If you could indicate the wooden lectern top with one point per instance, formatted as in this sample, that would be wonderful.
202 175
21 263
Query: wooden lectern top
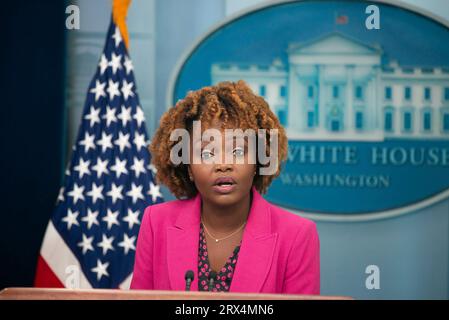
109 294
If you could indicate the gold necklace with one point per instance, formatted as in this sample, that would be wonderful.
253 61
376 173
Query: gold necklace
220 239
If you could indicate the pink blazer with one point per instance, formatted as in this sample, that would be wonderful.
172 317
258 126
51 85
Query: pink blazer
279 251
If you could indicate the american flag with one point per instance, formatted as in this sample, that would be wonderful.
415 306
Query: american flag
91 238
341 18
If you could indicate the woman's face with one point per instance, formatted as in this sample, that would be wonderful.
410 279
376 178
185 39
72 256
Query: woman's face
218 182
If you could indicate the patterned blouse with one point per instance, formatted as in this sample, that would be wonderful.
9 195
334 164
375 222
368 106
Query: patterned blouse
224 277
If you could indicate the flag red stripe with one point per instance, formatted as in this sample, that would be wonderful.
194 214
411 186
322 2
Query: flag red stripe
45 278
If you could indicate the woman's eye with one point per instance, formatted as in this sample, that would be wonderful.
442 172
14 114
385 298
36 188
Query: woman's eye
239 152
206 154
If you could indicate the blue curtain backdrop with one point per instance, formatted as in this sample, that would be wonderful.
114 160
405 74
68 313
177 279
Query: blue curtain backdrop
31 130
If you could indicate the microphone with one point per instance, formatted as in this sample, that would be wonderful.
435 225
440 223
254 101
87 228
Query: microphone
212 276
189 276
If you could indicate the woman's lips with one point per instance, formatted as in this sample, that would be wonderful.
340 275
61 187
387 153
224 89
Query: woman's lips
224 189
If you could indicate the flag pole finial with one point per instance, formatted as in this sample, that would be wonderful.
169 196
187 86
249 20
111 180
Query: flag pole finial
119 12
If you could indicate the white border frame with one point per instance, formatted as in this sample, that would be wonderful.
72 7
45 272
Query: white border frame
370 216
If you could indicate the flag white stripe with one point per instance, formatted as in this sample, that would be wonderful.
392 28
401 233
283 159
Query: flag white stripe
127 282
58 256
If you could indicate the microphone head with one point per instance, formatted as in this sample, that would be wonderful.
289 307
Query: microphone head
189 275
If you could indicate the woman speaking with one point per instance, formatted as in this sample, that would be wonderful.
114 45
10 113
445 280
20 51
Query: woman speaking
221 234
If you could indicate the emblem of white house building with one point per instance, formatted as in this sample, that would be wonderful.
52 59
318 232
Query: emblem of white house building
366 111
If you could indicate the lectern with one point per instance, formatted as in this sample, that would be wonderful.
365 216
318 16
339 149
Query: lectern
107 294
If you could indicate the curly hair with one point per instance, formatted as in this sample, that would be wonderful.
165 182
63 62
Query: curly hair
227 102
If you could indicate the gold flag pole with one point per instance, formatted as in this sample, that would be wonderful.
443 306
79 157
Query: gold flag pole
119 12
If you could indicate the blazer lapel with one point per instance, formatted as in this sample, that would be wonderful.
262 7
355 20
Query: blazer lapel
182 245
257 248
255 255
